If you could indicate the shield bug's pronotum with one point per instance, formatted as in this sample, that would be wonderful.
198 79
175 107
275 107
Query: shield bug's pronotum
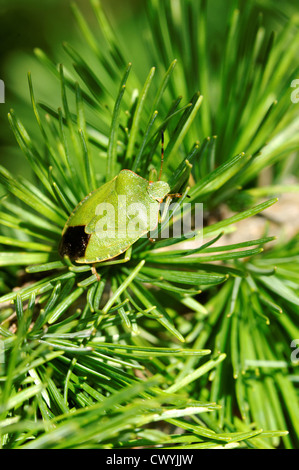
110 219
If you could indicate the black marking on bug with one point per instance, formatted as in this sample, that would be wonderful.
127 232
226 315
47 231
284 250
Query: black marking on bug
74 242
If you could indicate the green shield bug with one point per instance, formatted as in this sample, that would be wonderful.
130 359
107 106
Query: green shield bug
104 224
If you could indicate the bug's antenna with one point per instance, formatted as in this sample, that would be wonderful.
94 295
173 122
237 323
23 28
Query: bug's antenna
162 155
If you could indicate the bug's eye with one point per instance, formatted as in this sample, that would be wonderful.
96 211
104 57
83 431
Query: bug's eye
74 242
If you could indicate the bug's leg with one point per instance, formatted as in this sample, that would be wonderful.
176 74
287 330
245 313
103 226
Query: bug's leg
167 204
94 271
175 195
152 240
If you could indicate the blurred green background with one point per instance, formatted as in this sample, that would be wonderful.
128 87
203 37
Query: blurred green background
25 25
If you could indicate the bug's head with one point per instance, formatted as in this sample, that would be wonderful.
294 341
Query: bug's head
158 190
